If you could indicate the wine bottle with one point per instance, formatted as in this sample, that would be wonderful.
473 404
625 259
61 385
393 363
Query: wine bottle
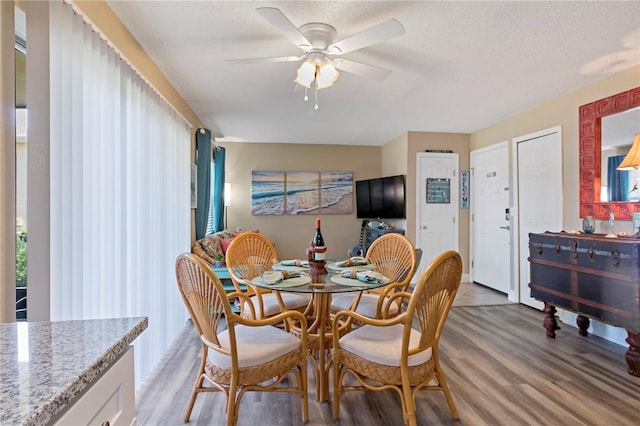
318 244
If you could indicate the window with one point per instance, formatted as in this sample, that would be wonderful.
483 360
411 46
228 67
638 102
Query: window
21 164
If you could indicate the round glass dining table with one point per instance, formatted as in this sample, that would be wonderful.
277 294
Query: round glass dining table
318 312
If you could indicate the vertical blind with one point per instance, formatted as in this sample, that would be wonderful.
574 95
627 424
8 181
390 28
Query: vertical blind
120 201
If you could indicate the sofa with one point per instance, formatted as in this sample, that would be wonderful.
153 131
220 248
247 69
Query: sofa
215 244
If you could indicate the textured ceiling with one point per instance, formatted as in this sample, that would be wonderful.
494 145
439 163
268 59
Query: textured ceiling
461 66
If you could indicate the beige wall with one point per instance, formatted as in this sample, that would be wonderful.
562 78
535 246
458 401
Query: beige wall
292 233
394 154
562 111
418 142
394 162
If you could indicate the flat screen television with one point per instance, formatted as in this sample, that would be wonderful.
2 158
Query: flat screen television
381 198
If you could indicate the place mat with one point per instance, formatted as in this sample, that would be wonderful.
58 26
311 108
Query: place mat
280 267
339 279
289 282
333 267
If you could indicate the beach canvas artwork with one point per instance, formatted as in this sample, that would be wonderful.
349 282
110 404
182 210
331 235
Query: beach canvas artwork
303 192
267 193
336 192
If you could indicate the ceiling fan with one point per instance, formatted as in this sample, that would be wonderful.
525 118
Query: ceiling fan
321 55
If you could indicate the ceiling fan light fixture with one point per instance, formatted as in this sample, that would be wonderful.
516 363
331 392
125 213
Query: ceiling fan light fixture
306 73
317 41
326 75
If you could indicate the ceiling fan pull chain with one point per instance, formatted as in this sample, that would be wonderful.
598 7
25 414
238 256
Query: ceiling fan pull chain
306 98
316 107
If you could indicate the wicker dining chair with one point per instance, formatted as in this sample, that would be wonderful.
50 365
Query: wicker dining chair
394 256
246 355
390 353
248 256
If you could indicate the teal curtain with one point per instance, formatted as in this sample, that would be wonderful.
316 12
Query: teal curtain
617 180
203 190
218 188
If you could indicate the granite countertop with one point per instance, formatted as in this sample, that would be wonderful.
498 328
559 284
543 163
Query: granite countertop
44 365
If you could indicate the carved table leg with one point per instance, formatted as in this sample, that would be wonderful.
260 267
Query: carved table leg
550 323
583 325
633 353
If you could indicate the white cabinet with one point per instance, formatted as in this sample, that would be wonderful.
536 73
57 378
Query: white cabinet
109 401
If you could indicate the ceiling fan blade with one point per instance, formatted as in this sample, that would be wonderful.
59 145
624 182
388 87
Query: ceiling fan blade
364 70
382 32
263 60
282 23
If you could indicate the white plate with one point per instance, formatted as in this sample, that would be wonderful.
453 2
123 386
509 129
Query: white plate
334 267
280 267
339 279
289 282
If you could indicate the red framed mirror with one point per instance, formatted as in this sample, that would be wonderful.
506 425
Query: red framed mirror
590 132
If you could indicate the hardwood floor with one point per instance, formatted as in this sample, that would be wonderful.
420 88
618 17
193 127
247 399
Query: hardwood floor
500 366
470 294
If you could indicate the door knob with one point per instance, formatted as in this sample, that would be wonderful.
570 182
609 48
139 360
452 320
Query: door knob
505 227
423 227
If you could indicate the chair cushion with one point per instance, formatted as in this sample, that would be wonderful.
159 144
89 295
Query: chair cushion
383 345
342 302
367 305
271 306
256 345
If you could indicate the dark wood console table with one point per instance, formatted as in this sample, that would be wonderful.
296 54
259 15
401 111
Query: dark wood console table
593 276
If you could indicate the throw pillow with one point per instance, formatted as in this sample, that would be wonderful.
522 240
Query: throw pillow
223 234
211 244
224 243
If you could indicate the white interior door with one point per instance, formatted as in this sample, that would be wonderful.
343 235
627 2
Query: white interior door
539 195
490 231
437 206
